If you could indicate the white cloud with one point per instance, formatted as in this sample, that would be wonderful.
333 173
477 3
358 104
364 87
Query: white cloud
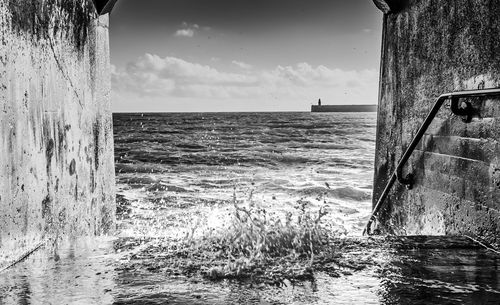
173 80
242 65
153 75
184 33
189 30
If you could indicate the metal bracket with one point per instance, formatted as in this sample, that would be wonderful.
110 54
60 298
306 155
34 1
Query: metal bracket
407 181
463 109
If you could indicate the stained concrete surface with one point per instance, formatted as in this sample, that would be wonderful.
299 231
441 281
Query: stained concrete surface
429 48
56 140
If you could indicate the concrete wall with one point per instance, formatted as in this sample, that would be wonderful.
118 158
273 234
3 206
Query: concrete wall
56 140
431 47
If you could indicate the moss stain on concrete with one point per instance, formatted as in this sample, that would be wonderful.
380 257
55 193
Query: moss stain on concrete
431 47
43 19
54 87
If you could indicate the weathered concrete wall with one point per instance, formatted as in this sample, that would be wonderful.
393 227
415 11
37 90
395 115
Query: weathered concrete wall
56 145
431 47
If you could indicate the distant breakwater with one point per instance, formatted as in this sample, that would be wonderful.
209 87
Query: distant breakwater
344 108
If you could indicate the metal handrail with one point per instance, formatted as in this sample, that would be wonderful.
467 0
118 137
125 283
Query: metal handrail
464 109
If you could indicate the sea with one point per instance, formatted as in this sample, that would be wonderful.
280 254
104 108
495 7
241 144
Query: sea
180 168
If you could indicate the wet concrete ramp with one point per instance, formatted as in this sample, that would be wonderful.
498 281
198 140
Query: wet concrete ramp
379 270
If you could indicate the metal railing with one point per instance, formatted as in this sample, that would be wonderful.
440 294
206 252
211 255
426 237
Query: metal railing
464 109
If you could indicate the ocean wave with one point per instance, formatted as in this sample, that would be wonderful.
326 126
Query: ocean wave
327 146
161 187
191 146
345 193
351 193
347 210
129 167
137 180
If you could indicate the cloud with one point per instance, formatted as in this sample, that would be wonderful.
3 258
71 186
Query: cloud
171 79
184 33
189 30
242 65
153 75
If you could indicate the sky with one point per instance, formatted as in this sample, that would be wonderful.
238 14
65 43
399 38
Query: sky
241 55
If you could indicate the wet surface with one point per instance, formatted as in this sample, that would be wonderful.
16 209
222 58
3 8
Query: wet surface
413 270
